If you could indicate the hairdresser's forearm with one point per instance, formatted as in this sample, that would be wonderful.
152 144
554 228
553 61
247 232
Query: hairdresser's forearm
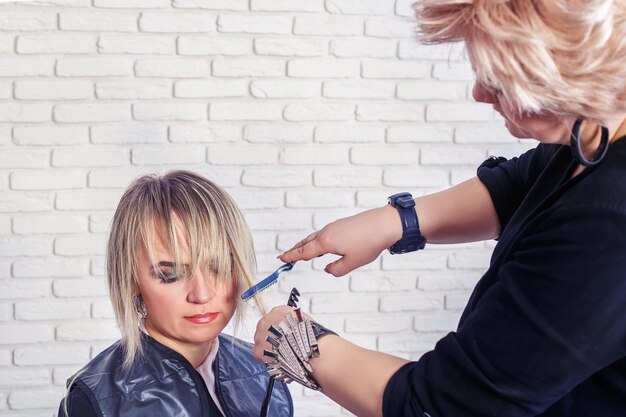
352 376
463 213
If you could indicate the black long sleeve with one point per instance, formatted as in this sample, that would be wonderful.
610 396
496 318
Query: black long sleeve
544 333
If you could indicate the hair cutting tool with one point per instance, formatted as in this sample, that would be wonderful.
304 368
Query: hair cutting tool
267 282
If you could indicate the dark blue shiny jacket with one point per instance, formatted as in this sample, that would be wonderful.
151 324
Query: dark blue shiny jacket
164 383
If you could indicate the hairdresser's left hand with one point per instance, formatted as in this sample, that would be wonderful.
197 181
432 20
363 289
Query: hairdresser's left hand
275 316
352 376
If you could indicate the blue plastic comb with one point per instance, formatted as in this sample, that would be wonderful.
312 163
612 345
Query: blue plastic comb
267 282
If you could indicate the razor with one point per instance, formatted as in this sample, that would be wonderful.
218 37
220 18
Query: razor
267 282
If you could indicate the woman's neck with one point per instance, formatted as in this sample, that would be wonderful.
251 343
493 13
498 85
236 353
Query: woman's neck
620 130
195 353
591 136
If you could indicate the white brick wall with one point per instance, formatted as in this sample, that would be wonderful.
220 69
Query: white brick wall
305 110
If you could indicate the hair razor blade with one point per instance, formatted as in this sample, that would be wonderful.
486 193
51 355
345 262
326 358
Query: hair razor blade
267 282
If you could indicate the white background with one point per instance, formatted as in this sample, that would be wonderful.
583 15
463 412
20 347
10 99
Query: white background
305 110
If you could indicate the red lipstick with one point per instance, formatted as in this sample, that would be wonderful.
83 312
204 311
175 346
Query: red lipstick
205 318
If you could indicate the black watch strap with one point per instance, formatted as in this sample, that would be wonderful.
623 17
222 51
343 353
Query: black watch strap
412 239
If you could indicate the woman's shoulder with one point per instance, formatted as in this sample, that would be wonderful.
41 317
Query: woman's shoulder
100 372
105 362
80 399
107 373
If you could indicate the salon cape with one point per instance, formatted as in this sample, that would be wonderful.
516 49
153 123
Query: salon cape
164 383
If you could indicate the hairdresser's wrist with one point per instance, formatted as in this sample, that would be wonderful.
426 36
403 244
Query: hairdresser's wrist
391 228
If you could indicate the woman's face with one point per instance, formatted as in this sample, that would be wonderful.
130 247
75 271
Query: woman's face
544 127
183 313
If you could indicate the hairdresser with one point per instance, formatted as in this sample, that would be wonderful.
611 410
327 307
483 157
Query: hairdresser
544 332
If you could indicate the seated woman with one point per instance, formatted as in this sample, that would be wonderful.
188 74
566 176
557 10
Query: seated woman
179 254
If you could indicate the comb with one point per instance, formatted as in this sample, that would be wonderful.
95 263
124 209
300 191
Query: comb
293 298
267 282
273 372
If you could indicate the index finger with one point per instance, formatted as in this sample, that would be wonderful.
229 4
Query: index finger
305 250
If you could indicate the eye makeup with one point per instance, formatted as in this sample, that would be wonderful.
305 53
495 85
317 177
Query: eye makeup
167 272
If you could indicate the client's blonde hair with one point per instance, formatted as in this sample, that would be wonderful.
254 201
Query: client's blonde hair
216 234
565 57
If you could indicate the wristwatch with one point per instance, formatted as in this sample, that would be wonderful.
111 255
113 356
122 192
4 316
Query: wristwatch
412 238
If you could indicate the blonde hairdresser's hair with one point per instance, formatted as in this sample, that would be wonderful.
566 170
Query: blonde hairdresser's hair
564 57
215 232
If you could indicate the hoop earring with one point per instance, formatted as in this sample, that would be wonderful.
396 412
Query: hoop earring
140 307
577 152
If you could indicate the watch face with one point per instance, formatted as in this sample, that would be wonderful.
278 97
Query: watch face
405 201
399 198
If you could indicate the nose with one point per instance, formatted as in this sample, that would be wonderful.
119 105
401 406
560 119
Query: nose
483 94
201 288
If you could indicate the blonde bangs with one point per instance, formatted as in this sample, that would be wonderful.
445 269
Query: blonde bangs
558 56
209 231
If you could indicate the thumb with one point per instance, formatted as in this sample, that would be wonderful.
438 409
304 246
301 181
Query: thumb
339 268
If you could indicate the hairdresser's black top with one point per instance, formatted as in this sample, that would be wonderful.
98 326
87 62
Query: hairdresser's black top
544 333
163 383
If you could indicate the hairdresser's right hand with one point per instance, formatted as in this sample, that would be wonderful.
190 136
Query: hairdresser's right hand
358 239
